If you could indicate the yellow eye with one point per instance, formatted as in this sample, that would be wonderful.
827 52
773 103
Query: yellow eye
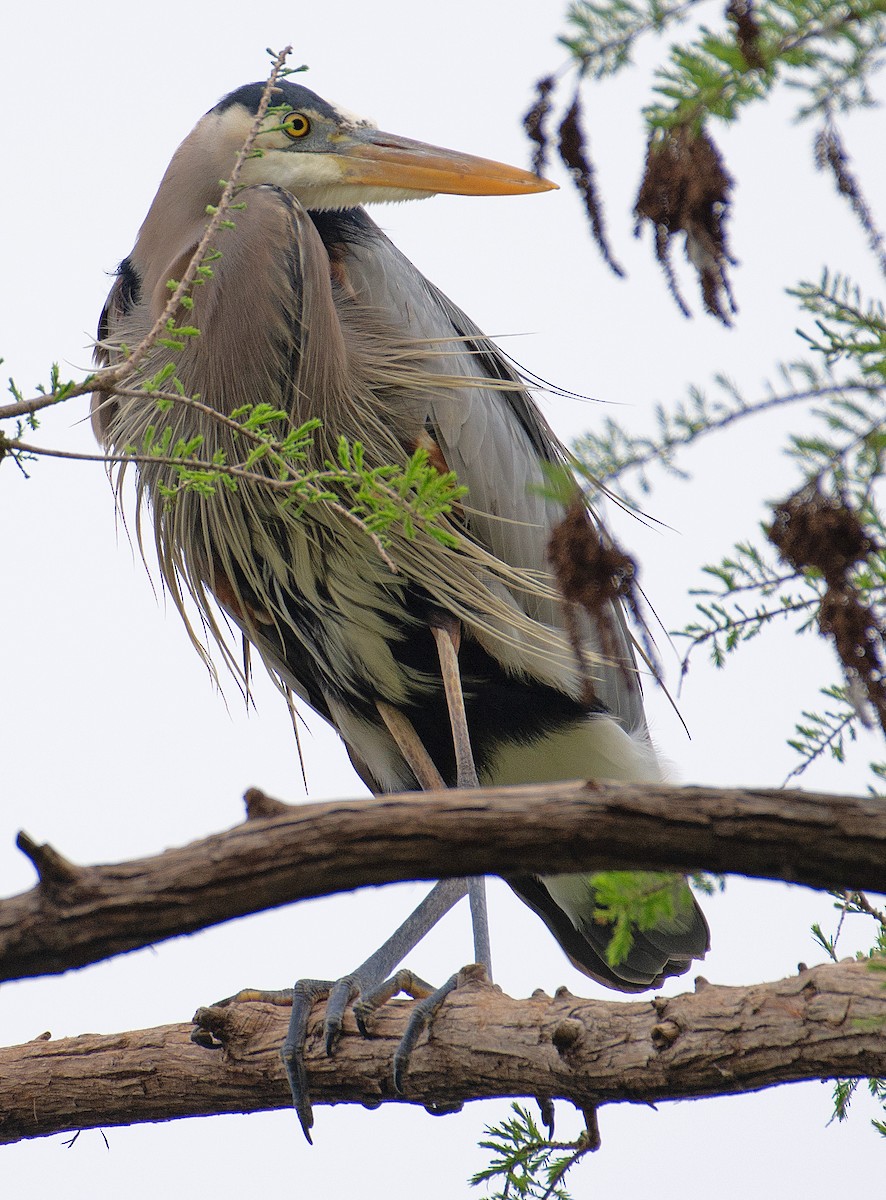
296 125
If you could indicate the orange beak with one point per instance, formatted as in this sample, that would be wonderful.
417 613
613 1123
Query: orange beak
377 159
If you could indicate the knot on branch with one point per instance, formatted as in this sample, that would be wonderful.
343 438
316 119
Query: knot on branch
474 976
228 1027
211 1028
259 805
444 1108
59 878
568 1035
665 1034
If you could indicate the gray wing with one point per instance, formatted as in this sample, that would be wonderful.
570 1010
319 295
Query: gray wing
496 440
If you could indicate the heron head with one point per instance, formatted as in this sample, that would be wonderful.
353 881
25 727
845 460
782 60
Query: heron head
330 159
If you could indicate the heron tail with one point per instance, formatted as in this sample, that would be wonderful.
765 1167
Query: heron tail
568 905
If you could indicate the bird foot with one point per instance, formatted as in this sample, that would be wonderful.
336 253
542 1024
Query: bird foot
366 998
211 1030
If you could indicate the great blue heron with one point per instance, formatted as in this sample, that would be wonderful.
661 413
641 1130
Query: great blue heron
312 311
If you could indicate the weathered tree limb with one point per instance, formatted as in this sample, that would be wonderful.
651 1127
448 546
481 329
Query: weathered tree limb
822 1023
78 915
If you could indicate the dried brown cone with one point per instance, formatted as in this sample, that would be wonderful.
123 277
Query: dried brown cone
686 188
858 641
573 152
814 531
747 31
810 529
592 574
535 122
831 155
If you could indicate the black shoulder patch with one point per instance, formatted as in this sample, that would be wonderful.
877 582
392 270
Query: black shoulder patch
343 227
130 286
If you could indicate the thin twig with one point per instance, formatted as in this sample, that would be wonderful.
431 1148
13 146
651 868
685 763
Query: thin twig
654 454
196 464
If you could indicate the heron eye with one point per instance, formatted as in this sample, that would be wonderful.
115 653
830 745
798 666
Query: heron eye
296 125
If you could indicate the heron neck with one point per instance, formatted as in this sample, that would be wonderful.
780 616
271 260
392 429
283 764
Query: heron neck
177 217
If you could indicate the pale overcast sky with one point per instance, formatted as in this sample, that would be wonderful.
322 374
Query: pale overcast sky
115 743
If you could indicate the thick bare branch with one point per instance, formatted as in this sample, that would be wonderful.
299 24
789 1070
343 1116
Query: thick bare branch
78 915
718 1041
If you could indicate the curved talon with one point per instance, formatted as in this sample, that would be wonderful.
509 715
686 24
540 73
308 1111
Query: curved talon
546 1105
362 1010
292 1052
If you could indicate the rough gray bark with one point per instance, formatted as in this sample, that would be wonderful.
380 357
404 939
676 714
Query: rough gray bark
78 915
718 1041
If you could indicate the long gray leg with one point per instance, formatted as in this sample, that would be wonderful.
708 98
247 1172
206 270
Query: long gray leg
425 771
447 636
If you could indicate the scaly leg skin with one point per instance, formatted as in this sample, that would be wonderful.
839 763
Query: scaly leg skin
367 981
